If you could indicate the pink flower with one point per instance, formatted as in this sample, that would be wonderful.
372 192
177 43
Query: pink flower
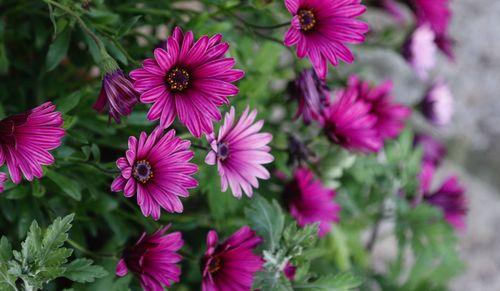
433 150
391 117
26 138
437 14
240 151
309 202
312 95
349 123
425 176
3 179
153 260
157 168
188 79
232 264
117 95
392 8
450 197
420 51
438 105
289 270
321 28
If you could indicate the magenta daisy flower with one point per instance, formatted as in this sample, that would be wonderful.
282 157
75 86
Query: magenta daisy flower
232 264
420 51
312 95
309 202
239 152
3 179
438 105
117 95
349 123
391 117
26 138
321 29
157 169
434 12
153 260
450 197
433 150
188 79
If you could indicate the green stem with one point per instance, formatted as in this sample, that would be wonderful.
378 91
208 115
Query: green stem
83 250
80 21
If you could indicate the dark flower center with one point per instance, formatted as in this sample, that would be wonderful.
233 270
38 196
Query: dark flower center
142 171
222 151
215 264
307 19
178 79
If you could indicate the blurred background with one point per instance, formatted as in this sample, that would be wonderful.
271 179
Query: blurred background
472 137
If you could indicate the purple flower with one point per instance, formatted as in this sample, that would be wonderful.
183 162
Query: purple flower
309 202
232 264
153 260
391 117
425 176
349 123
26 138
117 95
289 270
3 179
157 169
433 150
239 151
312 95
392 8
445 43
434 12
451 199
438 104
189 80
322 28
420 51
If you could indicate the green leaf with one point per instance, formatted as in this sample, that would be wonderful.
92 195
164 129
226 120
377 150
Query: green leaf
66 103
58 49
68 186
338 282
54 238
7 281
267 220
83 271
127 26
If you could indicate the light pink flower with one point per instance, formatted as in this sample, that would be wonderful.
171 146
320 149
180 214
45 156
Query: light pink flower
239 152
157 169
189 80
26 138
232 264
420 51
322 28
438 105
153 260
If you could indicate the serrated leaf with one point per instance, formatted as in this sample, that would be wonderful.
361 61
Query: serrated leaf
83 271
267 220
54 238
58 49
68 186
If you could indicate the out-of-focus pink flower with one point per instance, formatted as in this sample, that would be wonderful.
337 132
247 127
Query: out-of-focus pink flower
450 197
391 116
157 169
425 176
436 13
232 264
309 202
312 95
290 271
239 151
392 7
189 80
438 105
420 51
322 28
433 150
117 95
349 123
26 138
153 260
